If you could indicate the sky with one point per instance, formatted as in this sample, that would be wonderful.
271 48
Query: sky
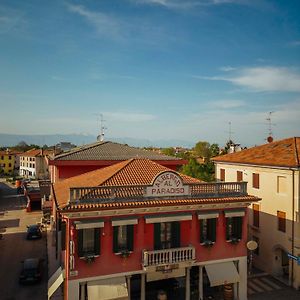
155 69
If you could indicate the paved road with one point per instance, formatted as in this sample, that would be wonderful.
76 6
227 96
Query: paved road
14 247
267 287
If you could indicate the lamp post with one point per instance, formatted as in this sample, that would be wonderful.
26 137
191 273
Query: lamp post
251 246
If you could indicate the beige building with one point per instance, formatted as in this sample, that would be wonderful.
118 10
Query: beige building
272 172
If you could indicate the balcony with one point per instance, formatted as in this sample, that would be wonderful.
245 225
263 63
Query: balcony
182 256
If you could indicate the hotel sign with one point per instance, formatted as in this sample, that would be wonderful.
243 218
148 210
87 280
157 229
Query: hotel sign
167 184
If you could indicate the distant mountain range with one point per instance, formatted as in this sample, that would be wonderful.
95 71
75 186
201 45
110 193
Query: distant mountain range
7 140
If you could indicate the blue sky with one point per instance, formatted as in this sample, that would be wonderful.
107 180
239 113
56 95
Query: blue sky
156 69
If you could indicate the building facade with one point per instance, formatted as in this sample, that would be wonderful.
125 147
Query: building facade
134 226
8 162
272 173
34 163
100 155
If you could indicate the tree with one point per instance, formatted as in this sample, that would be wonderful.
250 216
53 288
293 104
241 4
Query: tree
214 150
202 149
168 151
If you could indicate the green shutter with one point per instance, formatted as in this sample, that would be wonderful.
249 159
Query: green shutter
202 237
115 239
63 236
97 239
228 231
175 229
239 227
130 237
79 242
213 229
157 240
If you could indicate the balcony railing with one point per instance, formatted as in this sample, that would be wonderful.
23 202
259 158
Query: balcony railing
168 256
137 192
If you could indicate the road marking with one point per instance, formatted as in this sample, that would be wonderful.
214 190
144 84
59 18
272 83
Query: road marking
263 285
271 283
255 287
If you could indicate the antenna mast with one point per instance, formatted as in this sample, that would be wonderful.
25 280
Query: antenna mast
230 132
270 125
100 137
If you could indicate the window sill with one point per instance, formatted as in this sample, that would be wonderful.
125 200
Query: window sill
233 241
207 243
89 255
124 253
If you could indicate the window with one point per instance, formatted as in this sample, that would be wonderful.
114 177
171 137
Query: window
208 230
9 165
166 235
239 175
123 238
255 208
9 157
222 174
255 180
281 184
281 219
234 226
2 157
88 241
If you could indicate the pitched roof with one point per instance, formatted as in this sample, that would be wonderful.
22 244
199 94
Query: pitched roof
283 153
111 151
37 152
130 172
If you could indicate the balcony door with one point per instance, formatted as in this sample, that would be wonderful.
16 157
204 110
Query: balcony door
166 235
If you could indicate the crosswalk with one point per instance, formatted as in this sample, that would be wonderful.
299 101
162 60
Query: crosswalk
263 284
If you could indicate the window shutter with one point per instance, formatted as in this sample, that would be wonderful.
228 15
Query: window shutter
157 241
239 175
228 228
79 242
97 240
222 174
202 237
213 229
63 236
255 180
130 237
115 239
239 227
175 234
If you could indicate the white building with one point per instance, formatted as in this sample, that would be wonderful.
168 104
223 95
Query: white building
34 163
272 172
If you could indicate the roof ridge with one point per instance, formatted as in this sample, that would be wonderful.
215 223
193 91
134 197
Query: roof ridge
127 162
82 148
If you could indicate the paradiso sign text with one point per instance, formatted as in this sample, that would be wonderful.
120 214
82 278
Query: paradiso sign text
167 184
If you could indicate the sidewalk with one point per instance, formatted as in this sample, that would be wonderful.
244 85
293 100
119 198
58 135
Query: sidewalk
53 263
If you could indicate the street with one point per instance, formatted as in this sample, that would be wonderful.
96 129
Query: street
14 247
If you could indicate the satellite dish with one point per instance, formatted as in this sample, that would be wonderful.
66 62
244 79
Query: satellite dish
270 139
252 245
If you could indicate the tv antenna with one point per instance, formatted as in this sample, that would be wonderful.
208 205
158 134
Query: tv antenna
100 120
230 132
270 125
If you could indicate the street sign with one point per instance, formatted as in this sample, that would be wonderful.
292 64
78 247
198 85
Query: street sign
297 258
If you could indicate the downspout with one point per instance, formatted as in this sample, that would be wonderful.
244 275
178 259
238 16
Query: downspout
293 227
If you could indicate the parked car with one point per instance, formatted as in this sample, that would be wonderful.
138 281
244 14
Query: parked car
34 232
31 270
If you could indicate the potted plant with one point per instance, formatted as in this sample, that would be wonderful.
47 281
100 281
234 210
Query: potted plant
89 258
125 253
234 240
208 243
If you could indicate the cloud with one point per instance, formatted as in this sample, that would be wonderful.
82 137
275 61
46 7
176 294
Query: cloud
295 43
263 79
10 19
184 4
128 117
104 24
227 104
227 68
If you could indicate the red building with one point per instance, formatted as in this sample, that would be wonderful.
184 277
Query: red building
102 154
135 226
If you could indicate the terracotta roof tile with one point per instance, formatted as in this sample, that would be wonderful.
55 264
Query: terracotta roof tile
37 152
111 151
159 202
130 172
283 153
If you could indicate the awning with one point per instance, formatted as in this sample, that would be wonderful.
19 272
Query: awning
222 273
108 289
124 221
208 215
168 218
55 281
234 213
89 224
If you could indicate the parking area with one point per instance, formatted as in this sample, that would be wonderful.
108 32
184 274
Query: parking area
14 247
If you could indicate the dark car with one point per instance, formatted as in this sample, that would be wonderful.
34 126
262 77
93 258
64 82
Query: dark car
31 270
34 232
